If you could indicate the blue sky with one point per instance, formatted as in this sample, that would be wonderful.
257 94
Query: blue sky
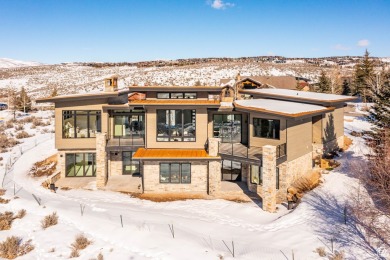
96 30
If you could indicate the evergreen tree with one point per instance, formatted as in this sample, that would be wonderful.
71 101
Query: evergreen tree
324 83
364 77
346 88
380 113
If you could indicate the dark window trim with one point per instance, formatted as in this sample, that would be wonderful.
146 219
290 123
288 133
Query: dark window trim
94 168
74 114
277 178
170 95
131 163
254 132
180 176
182 115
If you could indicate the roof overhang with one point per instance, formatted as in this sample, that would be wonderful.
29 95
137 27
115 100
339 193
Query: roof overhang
87 96
175 102
282 114
173 154
175 88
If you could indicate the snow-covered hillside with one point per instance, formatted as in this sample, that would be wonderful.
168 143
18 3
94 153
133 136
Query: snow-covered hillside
75 78
10 63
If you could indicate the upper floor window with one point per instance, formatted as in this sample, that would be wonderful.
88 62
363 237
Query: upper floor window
266 128
176 95
176 125
81 124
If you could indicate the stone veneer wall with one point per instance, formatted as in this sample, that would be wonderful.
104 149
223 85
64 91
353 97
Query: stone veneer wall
198 178
101 160
269 178
115 164
290 171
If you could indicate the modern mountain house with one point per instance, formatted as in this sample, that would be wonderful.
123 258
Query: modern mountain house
159 139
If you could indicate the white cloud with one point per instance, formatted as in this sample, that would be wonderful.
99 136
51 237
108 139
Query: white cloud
363 43
341 47
220 4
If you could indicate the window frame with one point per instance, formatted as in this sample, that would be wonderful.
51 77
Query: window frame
132 162
169 136
180 179
73 113
259 120
85 156
183 95
260 174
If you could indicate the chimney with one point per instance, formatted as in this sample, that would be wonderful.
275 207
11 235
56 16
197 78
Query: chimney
111 84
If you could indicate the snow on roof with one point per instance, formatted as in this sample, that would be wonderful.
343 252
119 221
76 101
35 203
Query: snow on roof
303 94
281 107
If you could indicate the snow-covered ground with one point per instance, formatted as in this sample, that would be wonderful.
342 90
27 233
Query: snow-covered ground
201 227
11 63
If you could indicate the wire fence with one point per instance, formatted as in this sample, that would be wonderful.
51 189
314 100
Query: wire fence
224 246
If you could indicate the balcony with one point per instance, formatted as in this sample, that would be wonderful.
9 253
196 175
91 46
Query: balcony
125 143
242 153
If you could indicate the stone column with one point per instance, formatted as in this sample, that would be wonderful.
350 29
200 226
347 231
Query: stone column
213 146
269 178
214 177
214 169
101 160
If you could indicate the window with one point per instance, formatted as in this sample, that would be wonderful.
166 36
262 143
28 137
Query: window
256 174
130 166
80 164
277 178
175 173
81 124
266 128
176 125
176 95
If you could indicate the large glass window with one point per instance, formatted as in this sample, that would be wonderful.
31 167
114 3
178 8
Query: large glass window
176 125
228 127
130 166
80 164
127 125
176 95
266 128
81 124
256 174
175 173
231 170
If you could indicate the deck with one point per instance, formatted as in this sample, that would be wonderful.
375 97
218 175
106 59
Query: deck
240 152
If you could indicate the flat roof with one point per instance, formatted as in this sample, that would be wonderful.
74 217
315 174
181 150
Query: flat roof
178 102
288 94
85 96
143 153
279 107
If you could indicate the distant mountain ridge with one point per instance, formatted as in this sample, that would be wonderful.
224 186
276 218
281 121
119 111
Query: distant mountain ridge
11 63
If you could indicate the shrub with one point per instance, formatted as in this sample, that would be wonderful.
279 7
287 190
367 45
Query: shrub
8 217
2 192
4 201
100 256
21 214
19 127
321 251
308 181
7 142
10 123
22 134
12 247
38 122
44 168
80 243
337 256
49 220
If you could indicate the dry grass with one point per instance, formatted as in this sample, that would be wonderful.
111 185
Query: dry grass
19 127
6 142
49 220
4 201
347 143
100 256
13 247
2 192
321 251
308 181
8 217
44 168
22 134
80 243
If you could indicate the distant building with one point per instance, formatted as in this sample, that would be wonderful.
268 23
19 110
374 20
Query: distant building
3 106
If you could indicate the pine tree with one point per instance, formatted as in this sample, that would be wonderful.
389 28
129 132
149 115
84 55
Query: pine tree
346 89
324 83
380 113
364 77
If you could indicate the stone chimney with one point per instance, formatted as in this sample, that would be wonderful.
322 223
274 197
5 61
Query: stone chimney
111 84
